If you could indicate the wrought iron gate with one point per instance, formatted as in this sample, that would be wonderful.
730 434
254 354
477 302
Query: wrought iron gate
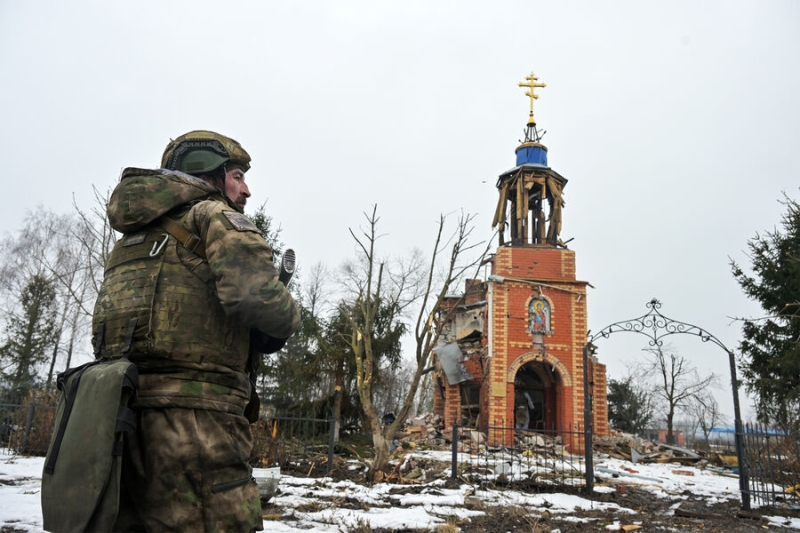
655 327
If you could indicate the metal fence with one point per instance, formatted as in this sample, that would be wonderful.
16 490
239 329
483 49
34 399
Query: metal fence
497 456
773 462
26 429
295 444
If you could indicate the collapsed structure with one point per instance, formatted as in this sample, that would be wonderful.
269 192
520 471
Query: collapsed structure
512 355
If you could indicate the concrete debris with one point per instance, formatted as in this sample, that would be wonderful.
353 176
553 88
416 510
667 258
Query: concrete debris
629 447
425 430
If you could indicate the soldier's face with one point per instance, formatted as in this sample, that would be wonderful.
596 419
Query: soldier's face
235 187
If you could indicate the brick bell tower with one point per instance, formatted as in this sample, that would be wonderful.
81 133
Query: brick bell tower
514 355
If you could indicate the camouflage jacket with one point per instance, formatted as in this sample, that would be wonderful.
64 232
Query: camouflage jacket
184 319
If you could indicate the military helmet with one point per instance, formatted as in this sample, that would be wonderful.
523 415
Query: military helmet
201 151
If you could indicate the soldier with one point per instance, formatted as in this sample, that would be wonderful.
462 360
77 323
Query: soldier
185 287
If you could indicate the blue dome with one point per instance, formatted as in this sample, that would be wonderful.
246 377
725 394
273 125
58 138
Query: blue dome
531 152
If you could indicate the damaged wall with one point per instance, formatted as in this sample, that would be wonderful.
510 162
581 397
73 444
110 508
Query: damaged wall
498 311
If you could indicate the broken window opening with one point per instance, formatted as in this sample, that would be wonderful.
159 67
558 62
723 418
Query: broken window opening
470 404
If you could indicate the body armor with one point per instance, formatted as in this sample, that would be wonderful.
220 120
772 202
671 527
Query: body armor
158 302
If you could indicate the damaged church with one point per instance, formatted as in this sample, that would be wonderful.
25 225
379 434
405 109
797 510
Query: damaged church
512 354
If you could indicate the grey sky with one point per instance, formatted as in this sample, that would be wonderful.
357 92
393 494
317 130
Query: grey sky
674 122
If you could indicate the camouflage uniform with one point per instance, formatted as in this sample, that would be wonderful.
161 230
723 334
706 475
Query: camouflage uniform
185 321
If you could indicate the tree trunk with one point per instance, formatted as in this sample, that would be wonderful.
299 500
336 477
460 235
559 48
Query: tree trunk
670 436
53 362
423 393
70 348
338 397
383 452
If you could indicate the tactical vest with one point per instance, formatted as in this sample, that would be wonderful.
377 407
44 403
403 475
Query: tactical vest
158 303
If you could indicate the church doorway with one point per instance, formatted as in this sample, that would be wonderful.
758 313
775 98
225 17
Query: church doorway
534 398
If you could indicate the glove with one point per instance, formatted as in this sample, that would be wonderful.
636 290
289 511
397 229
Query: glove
262 343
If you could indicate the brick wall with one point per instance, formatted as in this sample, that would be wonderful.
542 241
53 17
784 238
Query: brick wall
531 272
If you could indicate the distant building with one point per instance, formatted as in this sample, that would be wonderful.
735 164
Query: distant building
660 435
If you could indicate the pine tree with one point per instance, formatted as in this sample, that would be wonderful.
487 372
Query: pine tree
30 334
629 408
770 349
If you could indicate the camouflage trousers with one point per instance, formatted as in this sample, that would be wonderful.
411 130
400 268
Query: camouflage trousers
186 470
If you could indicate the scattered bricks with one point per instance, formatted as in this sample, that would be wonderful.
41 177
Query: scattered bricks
683 472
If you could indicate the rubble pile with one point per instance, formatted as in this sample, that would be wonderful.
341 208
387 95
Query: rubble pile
536 449
628 447
532 443
620 445
425 431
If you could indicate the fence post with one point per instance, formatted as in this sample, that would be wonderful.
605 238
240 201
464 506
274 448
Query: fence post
454 467
741 452
331 437
587 422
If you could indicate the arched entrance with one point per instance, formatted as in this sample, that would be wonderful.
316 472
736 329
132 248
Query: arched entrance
537 378
534 398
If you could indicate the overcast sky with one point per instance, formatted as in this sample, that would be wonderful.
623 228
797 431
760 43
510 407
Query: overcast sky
676 124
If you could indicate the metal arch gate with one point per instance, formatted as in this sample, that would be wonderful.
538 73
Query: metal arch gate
656 326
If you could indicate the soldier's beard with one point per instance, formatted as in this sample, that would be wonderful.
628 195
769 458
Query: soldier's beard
241 201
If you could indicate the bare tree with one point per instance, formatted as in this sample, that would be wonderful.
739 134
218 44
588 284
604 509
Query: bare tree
392 387
705 410
676 382
69 251
75 259
44 250
425 398
315 290
410 283
96 239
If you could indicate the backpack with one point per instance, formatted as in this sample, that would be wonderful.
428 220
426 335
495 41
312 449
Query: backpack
82 469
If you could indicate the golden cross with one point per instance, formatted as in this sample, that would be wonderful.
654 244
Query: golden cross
531 84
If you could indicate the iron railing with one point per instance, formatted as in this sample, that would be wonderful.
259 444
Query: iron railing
773 460
542 460
298 443
306 443
26 429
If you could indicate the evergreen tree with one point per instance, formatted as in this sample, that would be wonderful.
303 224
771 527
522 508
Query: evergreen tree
770 349
297 379
630 408
30 334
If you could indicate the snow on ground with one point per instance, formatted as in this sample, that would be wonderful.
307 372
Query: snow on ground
20 481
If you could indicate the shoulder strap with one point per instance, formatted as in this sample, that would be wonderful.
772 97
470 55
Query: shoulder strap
189 240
